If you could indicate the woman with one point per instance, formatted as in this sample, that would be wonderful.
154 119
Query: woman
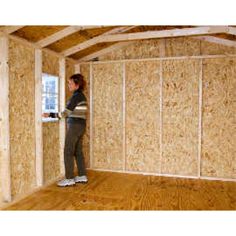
75 113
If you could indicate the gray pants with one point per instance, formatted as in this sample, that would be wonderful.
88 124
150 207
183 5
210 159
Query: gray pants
73 148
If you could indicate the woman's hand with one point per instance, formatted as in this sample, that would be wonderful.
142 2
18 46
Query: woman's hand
45 115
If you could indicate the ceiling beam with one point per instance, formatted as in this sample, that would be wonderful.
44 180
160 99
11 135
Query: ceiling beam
95 40
212 39
164 33
11 29
63 33
104 51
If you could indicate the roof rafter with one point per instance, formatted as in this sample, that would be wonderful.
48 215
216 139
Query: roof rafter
95 40
63 33
11 29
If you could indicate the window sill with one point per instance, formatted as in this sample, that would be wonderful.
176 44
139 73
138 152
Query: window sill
46 120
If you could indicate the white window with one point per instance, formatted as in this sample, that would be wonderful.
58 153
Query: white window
49 94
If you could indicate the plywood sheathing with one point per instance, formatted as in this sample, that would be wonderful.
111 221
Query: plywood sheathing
51 158
107 116
51 147
70 69
36 33
142 116
22 123
208 48
85 71
219 130
180 117
76 38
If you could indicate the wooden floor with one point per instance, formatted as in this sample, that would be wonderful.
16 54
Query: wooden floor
115 191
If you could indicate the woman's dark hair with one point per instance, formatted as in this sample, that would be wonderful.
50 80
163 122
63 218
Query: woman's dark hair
78 79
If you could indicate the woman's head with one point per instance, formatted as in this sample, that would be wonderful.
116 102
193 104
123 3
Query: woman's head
75 82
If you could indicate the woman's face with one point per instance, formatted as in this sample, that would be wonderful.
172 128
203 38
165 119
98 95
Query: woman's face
72 86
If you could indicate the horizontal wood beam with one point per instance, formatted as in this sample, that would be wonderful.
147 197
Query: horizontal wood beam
63 33
164 34
212 39
95 40
104 51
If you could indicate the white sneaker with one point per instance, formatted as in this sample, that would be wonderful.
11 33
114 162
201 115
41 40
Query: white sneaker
66 182
81 179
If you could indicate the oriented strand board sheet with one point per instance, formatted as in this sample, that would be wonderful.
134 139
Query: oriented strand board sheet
139 49
143 116
219 129
107 116
182 47
85 71
50 63
36 33
22 123
51 158
180 117
51 147
208 48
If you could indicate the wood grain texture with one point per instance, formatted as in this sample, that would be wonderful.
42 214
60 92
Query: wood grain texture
115 191
50 64
107 116
208 48
51 158
21 117
139 49
219 130
142 116
85 71
182 47
180 117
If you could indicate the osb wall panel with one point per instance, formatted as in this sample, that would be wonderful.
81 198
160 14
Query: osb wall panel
140 49
51 158
208 48
50 63
107 116
219 133
85 71
22 120
182 47
143 116
180 117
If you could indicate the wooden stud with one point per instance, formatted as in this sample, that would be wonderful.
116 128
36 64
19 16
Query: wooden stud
93 41
161 107
62 126
162 48
4 122
123 117
91 115
200 120
38 118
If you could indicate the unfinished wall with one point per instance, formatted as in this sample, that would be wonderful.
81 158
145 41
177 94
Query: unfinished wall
51 148
22 120
107 116
180 127
180 117
143 116
85 71
219 106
